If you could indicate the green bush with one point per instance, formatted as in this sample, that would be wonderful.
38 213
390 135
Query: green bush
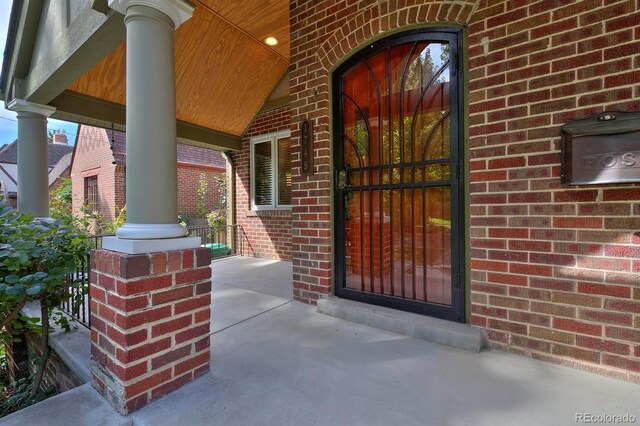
36 259
216 219
61 202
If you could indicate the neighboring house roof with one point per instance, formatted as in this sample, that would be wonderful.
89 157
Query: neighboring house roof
60 168
186 153
59 161
201 156
9 153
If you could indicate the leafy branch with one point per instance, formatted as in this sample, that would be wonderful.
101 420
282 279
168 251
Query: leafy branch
36 260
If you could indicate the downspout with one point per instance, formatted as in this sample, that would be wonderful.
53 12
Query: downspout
231 205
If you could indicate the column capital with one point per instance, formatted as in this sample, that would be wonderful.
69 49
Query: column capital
178 10
20 105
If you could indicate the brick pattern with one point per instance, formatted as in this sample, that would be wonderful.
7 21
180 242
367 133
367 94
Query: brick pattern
56 372
149 324
267 232
554 270
94 151
189 182
323 33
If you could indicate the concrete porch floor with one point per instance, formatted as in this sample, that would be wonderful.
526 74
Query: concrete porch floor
278 362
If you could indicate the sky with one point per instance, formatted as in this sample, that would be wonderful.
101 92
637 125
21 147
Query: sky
8 121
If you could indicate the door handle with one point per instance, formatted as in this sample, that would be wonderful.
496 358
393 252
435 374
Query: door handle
342 179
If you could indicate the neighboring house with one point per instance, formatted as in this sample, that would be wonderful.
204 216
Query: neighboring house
59 154
98 174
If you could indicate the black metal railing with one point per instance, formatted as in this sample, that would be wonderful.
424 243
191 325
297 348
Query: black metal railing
226 240
77 305
78 302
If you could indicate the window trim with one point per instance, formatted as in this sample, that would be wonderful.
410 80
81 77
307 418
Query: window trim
273 138
87 179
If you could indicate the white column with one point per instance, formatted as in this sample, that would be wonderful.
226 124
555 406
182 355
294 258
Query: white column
152 206
33 163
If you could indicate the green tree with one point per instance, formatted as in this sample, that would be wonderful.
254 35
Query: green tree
201 196
61 202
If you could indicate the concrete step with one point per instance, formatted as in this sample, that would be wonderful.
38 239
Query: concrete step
80 406
456 335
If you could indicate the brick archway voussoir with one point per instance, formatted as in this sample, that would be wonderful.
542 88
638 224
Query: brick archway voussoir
377 19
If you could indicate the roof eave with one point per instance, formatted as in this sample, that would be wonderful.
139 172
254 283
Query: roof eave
9 45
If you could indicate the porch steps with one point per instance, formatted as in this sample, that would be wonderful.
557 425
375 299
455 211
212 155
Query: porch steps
456 335
79 406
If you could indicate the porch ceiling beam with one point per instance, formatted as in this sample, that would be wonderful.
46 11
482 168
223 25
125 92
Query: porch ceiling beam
84 109
89 38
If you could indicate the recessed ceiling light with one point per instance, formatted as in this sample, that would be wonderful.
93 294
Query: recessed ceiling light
271 41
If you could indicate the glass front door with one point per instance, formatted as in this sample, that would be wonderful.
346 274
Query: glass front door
398 175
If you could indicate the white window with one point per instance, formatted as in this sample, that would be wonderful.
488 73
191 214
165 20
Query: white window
271 171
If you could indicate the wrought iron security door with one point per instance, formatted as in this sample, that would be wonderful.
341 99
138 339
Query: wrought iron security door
398 188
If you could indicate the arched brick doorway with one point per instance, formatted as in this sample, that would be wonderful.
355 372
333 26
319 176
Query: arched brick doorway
398 174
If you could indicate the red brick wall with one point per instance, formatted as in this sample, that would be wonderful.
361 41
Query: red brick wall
322 34
554 271
268 232
56 373
120 188
93 150
150 323
188 183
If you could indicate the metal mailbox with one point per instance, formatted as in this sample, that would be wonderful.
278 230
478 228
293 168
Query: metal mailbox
601 149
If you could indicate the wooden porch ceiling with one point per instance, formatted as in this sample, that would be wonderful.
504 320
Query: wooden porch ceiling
224 71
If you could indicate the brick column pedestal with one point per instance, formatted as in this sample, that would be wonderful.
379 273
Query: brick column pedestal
150 317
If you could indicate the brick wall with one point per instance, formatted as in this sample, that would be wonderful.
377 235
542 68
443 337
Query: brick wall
554 271
322 34
56 372
120 187
188 184
150 323
268 232
93 151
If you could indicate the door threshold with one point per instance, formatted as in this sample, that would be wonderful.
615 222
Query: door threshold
448 333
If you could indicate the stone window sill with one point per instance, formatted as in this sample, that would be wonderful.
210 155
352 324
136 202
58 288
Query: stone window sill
269 213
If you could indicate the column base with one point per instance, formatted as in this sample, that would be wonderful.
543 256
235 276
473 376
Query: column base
123 245
150 231
150 323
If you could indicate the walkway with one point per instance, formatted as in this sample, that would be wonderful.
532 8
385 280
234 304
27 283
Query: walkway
244 287
277 362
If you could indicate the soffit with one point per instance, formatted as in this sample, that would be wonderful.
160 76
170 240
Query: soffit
224 73
259 18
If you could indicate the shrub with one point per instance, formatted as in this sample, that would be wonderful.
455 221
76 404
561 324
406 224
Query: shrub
36 259
216 219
